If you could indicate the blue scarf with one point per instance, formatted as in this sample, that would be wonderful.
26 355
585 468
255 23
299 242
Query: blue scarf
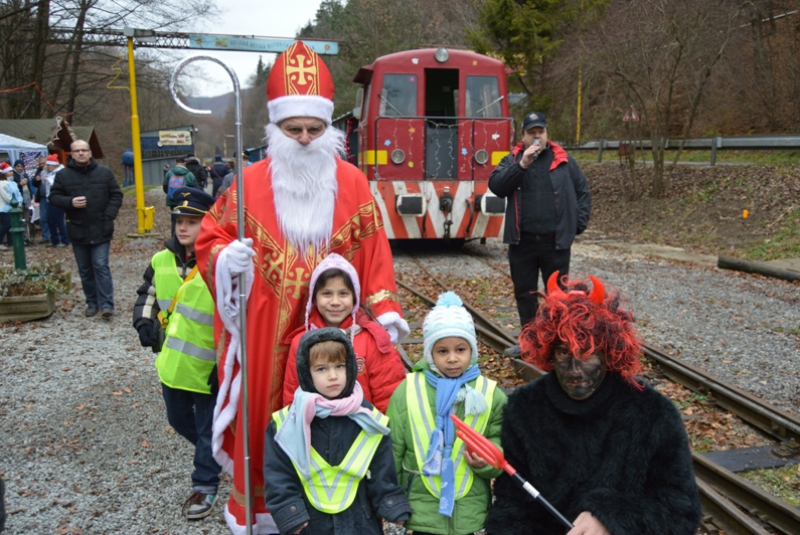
438 461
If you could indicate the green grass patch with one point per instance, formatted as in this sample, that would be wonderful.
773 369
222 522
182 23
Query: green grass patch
130 191
765 157
785 244
781 482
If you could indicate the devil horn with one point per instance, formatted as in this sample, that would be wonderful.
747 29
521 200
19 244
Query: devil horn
553 288
598 291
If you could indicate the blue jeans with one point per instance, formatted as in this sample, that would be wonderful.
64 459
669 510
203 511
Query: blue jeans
95 274
191 414
56 220
44 206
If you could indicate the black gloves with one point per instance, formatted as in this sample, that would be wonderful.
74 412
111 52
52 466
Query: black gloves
146 335
213 380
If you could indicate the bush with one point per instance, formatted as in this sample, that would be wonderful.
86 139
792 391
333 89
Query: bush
39 278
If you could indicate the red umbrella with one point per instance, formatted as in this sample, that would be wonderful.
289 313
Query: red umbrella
477 443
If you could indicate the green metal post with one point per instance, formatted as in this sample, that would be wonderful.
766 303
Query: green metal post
17 238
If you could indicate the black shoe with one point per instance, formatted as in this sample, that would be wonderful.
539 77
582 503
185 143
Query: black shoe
90 311
106 313
60 245
43 241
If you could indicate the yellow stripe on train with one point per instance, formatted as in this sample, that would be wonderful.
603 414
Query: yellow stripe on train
498 155
383 157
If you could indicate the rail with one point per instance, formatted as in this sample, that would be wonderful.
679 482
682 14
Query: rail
788 142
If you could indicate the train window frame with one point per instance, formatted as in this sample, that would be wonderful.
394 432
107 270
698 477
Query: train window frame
359 103
489 104
388 104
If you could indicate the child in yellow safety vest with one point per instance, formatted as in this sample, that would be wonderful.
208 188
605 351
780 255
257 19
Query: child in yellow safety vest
448 487
328 464
174 297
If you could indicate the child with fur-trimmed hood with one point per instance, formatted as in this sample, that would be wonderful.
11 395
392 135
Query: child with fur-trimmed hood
333 301
447 486
328 465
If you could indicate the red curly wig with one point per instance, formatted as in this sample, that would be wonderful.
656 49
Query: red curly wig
586 322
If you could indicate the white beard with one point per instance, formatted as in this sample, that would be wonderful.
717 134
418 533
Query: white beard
304 184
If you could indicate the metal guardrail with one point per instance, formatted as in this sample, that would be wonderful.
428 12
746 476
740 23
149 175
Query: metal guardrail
788 142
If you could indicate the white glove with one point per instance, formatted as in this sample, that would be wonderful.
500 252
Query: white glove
240 256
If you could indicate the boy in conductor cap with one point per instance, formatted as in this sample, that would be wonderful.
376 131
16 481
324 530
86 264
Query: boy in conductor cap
174 299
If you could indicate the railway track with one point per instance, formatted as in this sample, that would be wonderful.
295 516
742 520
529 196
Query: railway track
731 503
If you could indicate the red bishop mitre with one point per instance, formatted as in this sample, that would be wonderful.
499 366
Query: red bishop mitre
299 85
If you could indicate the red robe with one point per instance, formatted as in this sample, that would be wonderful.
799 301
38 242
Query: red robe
276 307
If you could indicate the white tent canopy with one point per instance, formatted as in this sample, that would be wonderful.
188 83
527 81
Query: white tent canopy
15 148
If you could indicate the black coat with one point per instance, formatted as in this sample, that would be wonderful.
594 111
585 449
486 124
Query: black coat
621 454
570 189
378 494
95 223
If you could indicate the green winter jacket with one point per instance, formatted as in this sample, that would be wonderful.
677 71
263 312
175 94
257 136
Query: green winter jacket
470 511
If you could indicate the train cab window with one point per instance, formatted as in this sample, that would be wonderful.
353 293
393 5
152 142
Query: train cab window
399 95
483 97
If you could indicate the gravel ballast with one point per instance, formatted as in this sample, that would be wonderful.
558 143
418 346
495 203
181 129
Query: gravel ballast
85 447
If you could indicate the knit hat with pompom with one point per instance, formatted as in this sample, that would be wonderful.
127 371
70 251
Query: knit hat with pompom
448 318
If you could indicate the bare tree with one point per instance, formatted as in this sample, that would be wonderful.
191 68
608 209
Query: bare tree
661 54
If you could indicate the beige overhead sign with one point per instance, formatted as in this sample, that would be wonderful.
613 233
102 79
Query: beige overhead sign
175 137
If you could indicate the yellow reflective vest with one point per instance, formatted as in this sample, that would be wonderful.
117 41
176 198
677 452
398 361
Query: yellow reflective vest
188 354
423 422
332 489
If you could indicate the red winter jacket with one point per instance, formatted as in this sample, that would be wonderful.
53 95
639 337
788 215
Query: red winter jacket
380 368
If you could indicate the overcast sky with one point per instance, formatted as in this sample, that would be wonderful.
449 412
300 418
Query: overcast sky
261 18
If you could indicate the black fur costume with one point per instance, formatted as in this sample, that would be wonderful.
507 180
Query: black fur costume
621 454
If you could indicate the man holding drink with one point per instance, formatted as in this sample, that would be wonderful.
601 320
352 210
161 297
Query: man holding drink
90 195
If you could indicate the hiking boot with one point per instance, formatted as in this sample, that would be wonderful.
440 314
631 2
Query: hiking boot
106 313
90 311
513 352
198 506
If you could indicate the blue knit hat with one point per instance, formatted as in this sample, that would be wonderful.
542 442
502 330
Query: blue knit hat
448 318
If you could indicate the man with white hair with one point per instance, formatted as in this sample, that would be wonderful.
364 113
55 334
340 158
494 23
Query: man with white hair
302 203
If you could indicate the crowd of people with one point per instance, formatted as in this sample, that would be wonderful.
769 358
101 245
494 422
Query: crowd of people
341 439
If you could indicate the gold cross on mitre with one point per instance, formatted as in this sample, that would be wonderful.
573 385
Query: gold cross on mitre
302 69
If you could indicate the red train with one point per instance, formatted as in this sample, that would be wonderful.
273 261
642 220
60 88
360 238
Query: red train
429 127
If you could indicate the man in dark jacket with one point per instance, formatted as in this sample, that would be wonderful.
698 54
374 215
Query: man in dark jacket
195 166
218 172
604 448
548 204
90 195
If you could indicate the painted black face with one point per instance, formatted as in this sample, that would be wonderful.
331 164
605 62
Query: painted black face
579 378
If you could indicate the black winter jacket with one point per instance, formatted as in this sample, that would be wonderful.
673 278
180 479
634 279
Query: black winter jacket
621 454
570 189
95 223
378 494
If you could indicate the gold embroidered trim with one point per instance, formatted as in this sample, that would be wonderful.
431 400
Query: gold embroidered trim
383 295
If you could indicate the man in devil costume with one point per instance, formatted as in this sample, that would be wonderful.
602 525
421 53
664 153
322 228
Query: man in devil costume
605 448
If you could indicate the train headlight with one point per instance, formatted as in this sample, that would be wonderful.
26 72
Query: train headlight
411 204
491 204
398 156
441 55
481 157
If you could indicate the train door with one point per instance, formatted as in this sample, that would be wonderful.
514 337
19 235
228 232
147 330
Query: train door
441 128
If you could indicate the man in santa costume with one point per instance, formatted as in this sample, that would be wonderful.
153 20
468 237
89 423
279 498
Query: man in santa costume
301 203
